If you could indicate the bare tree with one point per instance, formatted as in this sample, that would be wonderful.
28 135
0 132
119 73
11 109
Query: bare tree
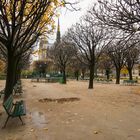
117 52
105 63
121 14
41 67
75 67
87 38
132 56
78 68
62 54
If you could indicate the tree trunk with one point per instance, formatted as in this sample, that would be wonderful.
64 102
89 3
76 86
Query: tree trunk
107 74
64 77
91 77
118 71
10 78
77 75
130 74
95 71
17 73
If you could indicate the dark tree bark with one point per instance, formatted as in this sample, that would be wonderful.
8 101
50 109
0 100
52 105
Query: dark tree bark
118 71
64 77
17 71
91 77
18 75
130 74
10 78
107 74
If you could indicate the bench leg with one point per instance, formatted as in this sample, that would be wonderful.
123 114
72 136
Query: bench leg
6 122
21 120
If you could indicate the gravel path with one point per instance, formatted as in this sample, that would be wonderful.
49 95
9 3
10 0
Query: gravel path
108 112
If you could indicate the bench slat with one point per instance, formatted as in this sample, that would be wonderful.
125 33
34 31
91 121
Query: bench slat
8 104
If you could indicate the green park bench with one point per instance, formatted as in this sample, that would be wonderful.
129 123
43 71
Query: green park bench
54 79
51 79
42 80
130 82
13 110
104 81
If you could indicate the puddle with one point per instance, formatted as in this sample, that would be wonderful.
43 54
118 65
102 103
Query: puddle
60 100
39 119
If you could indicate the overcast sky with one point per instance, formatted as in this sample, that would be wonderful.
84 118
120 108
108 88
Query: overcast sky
67 18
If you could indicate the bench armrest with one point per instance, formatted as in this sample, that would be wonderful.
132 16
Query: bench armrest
19 109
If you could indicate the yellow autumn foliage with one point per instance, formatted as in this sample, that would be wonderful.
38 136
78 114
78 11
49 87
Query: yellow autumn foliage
124 70
47 23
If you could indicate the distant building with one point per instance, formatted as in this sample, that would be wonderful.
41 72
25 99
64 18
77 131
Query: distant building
42 53
44 45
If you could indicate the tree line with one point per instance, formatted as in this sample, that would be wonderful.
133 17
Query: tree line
107 35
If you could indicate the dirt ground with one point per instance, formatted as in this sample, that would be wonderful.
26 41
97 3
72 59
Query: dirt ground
109 112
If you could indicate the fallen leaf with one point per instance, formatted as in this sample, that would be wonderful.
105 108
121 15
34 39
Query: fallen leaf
45 129
32 130
96 132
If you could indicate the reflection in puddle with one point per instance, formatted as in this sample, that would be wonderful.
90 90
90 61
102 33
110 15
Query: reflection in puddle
39 119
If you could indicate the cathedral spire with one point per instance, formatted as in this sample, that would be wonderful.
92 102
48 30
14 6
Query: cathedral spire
58 36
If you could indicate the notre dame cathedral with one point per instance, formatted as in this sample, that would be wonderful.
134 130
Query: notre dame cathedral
43 45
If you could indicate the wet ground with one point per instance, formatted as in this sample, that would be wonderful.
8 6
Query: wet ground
109 112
